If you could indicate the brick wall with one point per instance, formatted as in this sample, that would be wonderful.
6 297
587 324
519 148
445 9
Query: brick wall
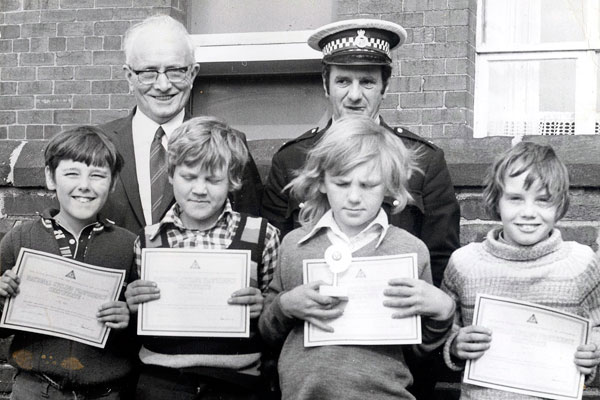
431 92
60 62
60 65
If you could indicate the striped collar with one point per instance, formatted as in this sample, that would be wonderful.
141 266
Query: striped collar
48 216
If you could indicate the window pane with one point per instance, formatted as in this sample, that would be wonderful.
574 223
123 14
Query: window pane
236 16
557 85
263 107
527 22
529 97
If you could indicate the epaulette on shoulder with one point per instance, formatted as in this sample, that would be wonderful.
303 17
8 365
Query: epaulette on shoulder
306 135
405 133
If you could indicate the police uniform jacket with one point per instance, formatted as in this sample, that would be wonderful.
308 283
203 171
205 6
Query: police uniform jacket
433 216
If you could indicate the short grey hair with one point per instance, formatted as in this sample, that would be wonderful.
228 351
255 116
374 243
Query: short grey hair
156 23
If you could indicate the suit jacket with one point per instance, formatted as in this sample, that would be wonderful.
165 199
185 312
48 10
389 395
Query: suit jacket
433 217
124 206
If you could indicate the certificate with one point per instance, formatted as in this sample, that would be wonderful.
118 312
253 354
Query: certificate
366 321
532 349
194 288
60 297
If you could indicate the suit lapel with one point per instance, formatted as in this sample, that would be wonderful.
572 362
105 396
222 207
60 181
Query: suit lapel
123 138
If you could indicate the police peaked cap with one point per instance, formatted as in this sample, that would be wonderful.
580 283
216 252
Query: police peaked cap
358 41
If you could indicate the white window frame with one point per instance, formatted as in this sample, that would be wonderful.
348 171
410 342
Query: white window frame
586 54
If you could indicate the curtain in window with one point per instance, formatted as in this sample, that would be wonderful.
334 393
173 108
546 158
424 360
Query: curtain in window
514 85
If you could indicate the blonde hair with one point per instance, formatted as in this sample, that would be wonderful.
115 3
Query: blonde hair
351 142
210 145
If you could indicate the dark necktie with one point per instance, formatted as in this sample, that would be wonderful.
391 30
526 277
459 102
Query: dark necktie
158 173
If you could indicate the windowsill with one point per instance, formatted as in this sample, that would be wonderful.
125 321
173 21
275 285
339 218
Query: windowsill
246 68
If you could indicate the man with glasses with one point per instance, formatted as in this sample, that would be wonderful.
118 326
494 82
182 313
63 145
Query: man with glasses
160 69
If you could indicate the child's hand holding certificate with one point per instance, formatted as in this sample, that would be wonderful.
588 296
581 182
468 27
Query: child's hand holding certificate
531 351
195 286
61 297
365 321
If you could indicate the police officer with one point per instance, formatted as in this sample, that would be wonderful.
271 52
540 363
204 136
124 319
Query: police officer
356 74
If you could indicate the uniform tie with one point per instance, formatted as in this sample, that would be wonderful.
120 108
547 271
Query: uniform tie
158 173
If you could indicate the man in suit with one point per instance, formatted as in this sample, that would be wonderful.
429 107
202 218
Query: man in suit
356 72
160 69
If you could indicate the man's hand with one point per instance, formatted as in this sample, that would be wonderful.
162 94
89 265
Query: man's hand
140 291
304 302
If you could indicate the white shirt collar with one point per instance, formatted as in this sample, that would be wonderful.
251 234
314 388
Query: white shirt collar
146 124
143 129
376 228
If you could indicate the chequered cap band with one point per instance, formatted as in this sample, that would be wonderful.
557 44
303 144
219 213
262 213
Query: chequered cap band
353 43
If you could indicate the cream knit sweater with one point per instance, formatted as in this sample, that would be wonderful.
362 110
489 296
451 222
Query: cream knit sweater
553 273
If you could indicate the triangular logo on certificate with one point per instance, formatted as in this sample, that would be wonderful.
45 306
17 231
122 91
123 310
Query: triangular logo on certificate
532 319
361 274
195 265
71 275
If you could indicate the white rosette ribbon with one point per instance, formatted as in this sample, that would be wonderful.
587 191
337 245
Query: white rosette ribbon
338 258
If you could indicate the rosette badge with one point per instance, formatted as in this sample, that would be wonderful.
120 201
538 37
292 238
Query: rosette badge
338 258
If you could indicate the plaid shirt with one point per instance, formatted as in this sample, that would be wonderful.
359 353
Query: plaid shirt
217 237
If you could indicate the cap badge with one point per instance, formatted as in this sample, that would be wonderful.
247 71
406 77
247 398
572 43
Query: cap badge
361 41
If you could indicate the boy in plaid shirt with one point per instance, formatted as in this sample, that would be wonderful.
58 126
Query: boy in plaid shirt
206 160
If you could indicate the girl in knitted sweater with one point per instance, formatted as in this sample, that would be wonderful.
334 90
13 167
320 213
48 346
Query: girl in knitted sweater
344 183
525 259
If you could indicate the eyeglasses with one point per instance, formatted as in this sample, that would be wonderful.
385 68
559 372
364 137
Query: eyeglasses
149 76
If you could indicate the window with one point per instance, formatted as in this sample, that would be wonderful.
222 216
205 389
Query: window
263 107
256 70
537 67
